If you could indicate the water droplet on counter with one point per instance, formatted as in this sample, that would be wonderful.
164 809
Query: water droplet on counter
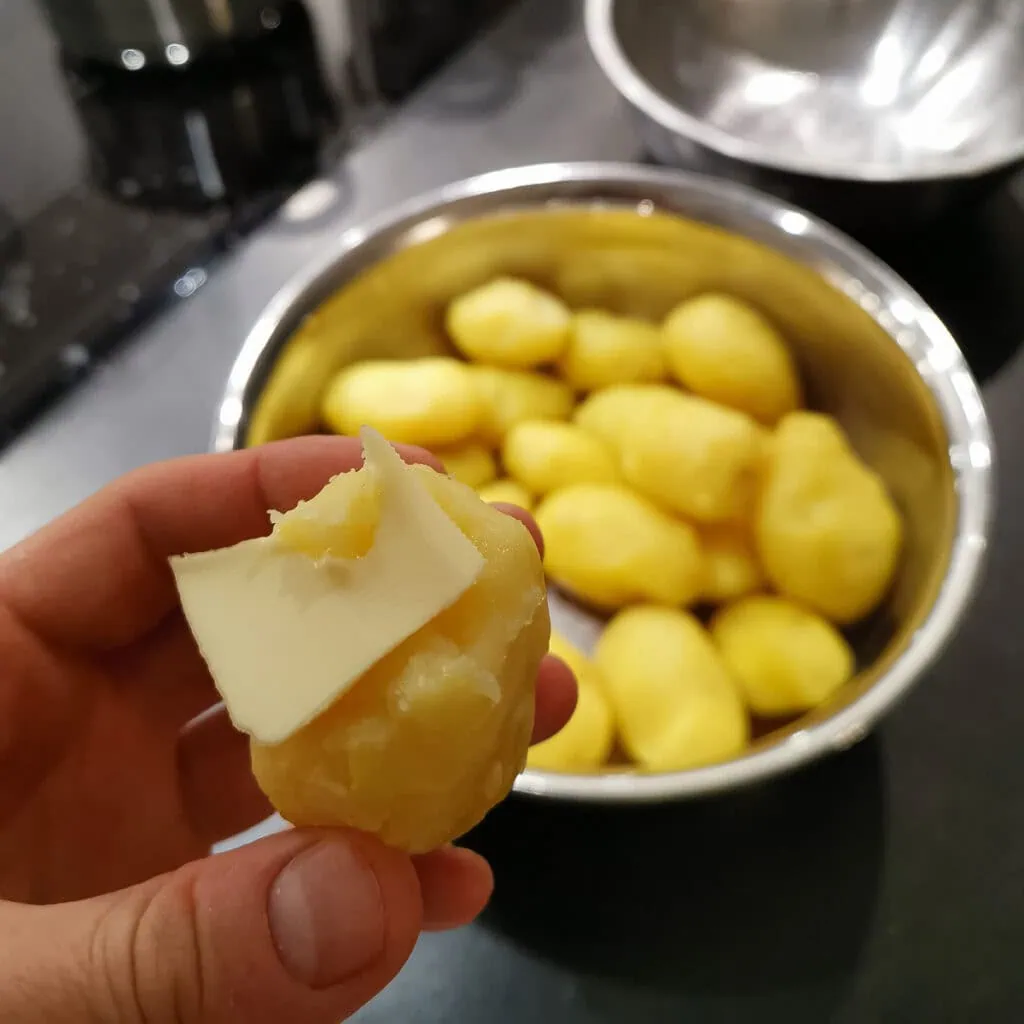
310 201
190 282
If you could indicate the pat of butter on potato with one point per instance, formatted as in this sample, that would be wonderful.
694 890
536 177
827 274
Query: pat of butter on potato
380 648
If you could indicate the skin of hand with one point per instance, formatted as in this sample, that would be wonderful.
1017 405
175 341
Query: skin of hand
113 788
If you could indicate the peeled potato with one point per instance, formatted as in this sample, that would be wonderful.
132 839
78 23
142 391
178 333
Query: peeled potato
428 402
511 396
785 658
509 323
546 454
470 463
675 702
433 735
605 349
828 533
723 349
610 546
585 742
696 458
506 492
731 566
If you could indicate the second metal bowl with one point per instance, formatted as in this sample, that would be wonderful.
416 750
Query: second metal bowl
637 241
874 113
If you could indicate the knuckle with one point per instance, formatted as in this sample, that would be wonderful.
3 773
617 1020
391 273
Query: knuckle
146 959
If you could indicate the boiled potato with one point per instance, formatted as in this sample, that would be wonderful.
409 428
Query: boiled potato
732 569
511 396
828 533
610 546
696 458
675 702
471 463
509 323
606 349
546 454
580 663
508 492
432 401
433 735
585 742
785 658
721 348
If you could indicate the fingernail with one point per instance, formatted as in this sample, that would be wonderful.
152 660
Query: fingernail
326 915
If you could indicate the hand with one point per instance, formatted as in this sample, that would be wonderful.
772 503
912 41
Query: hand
111 791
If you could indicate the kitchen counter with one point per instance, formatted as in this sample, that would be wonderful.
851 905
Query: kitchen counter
883 885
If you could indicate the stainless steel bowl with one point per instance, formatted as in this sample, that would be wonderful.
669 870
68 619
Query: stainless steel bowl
873 113
639 240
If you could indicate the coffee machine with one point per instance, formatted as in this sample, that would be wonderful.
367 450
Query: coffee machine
193 102
190 100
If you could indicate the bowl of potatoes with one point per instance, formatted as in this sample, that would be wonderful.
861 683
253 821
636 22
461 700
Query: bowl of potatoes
761 466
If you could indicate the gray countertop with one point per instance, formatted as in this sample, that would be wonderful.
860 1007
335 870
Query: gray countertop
883 885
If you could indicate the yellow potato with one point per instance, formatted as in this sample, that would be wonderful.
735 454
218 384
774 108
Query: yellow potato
506 492
585 742
610 546
471 463
605 349
511 396
732 569
580 663
509 323
696 458
721 348
433 735
675 702
827 531
786 659
544 455
432 401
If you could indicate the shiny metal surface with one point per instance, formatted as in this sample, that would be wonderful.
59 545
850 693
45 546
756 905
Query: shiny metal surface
886 92
638 240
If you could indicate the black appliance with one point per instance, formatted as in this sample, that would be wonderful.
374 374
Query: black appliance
162 131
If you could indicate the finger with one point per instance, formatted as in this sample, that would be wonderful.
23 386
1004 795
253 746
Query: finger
306 926
98 577
455 885
526 519
167 676
556 697
41 709
218 792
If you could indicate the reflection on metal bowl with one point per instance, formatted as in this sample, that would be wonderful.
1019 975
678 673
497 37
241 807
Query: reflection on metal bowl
874 113
637 240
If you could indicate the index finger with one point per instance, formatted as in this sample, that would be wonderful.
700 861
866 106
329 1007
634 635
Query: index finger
98 576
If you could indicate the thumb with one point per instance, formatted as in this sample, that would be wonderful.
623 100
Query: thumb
304 926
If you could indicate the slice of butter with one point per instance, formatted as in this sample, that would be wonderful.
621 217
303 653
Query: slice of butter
284 634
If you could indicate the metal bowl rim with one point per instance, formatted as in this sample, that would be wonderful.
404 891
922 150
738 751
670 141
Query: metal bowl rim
929 345
634 87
